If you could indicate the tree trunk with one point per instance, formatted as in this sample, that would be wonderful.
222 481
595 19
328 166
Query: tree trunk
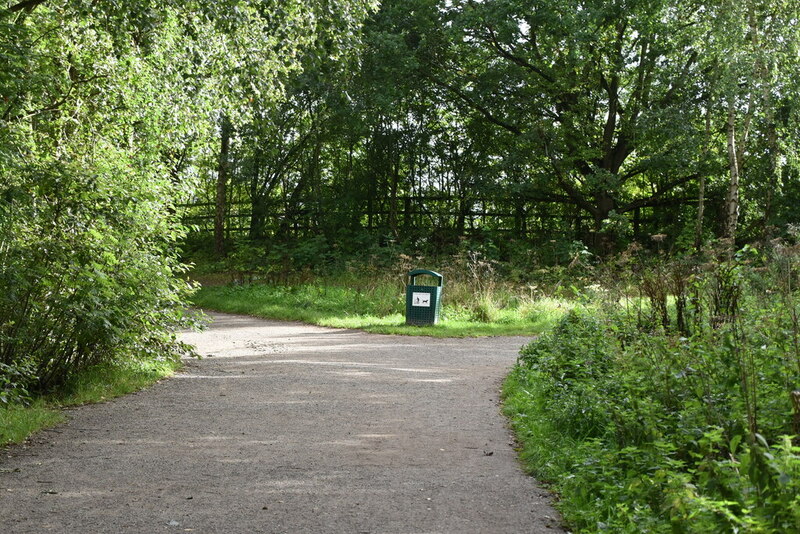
256 201
520 218
604 241
258 217
461 220
774 160
701 207
315 214
701 195
222 187
393 186
732 200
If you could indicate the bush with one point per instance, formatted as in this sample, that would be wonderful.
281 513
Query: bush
86 274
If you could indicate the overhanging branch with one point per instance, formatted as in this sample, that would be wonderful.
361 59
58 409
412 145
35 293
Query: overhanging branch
27 5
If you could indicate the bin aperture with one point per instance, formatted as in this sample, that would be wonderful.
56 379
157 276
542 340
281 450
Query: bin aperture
423 303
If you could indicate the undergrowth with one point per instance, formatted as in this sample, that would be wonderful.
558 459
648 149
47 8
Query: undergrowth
478 299
380 307
672 405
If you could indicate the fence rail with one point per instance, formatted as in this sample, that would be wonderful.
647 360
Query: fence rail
528 218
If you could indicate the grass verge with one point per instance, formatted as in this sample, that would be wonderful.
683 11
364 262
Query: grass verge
94 385
646 430
17 422
380 309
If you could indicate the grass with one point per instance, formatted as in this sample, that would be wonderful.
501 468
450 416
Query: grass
97 384
17 422
545 452
380 308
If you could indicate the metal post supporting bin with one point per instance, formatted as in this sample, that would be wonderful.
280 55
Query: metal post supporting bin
423 303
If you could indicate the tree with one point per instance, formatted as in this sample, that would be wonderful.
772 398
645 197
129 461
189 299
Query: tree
108 115
602 90
577 119
752 49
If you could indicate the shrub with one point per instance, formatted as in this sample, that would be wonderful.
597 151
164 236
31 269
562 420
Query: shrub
87 275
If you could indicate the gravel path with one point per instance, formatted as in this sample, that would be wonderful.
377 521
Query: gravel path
285 427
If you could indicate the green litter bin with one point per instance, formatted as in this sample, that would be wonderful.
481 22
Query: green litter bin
423 303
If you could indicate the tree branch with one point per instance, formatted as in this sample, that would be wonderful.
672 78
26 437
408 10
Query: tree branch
509 55
53 106
639 98
572 192
682 78
28 5
656 198
479 108
612 89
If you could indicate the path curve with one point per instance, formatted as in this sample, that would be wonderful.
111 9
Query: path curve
286 427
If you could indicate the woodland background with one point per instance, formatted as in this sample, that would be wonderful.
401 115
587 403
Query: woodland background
620 176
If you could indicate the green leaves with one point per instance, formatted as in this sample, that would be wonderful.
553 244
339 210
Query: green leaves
682 433
107 111
90 277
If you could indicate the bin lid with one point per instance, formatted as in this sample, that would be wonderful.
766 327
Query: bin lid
416 272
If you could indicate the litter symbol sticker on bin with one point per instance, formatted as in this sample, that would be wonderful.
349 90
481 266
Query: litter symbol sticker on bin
421 300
